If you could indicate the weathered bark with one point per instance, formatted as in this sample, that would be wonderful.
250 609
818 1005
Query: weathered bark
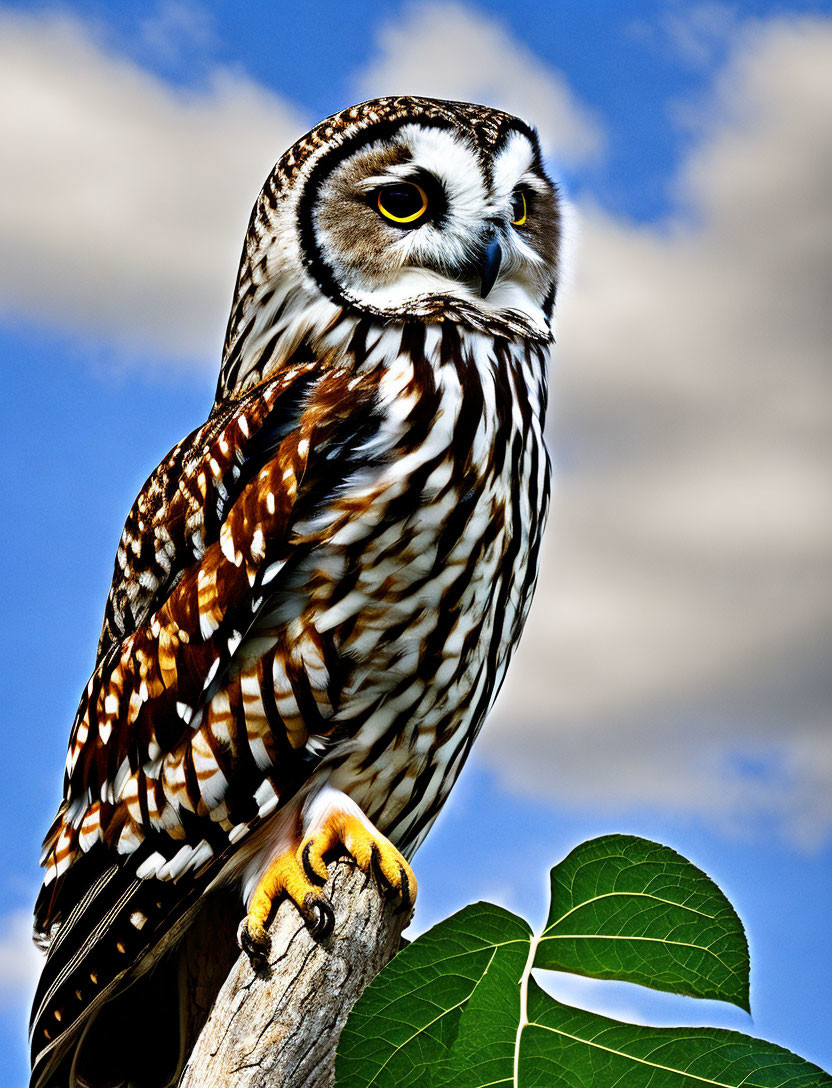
282 1029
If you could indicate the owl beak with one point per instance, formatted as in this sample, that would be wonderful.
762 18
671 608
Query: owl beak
490 266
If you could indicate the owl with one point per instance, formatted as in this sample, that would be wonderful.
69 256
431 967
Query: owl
317 592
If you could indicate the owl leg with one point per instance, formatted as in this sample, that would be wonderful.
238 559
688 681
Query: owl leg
332 823
345 829
283 876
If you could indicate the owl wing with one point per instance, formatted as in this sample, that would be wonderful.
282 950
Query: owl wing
182 505
153 807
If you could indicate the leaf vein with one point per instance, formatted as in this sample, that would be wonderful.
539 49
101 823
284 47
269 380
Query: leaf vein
632 1057
629 895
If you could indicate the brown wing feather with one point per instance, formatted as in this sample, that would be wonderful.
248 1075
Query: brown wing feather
135 747
163 752
180 509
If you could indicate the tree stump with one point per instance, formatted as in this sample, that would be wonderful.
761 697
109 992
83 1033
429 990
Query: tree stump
281 1028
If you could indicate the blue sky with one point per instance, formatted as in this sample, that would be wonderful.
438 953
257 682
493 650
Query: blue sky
674 681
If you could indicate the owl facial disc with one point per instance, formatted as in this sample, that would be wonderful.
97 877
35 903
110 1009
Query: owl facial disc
424 208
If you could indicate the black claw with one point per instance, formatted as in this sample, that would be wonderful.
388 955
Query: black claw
320 917
375 864
404 892
257 950
401 893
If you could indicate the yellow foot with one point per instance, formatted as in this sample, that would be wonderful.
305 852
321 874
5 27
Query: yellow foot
371 851
300 873
284 876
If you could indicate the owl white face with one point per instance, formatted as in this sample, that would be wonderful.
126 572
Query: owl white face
419 213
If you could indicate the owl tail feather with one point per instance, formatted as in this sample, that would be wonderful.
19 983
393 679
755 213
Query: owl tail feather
136 1041
110 967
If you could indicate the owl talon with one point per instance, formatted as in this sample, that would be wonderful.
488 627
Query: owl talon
371 851
321 919
402 891
284 876
300 874
255 943
393 878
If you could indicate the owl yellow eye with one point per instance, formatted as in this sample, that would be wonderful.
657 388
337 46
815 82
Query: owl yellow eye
404 202
518 209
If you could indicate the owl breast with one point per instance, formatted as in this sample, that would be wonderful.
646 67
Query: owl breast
387 644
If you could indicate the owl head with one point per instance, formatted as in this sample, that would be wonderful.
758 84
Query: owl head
401 208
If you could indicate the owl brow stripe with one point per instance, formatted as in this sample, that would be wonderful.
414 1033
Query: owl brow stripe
312 256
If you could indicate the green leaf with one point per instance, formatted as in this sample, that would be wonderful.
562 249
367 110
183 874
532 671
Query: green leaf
458 1007
400 1033
629 909
562 1047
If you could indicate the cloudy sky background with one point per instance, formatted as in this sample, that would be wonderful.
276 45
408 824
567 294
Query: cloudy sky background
674 680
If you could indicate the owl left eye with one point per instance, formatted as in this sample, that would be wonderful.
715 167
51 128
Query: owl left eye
405 202
519 212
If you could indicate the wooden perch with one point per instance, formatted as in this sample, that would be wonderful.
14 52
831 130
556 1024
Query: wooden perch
282 1029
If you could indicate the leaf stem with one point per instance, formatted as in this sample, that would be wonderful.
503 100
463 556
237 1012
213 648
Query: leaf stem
524 1006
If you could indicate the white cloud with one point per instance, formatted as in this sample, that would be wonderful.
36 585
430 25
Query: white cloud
697 34
678 651
125 199
20 961
174 29
458 52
